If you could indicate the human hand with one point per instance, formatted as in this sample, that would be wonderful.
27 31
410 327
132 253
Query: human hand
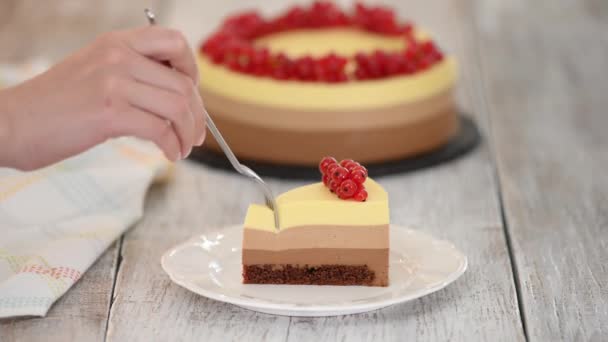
114 87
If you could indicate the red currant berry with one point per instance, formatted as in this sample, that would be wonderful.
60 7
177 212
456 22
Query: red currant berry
343 162
332 63
360 167
280 74
341 77
361 58
260 56
258 70
360 196
352 165
217 57
392 65
407 29
333 185
410 53
428 47
325 162
338 192
361 74
330 168
297 16
358 176
380 57
339 174
305 68
348 188
374 69
331 78
439 56
342 195
234 65
423 64
410 67
326 180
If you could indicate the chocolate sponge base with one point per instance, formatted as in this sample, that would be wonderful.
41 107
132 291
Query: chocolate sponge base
308 275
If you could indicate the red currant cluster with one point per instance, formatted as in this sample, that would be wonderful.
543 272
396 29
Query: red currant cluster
379 19
417 57
345 179
329 68
233 45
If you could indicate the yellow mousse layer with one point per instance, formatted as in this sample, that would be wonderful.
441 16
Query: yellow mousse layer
315 205
312 96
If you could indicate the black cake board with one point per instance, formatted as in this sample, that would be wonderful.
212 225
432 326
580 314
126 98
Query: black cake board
465 141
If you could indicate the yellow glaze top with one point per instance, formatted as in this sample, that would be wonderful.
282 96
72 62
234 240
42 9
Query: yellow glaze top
315 205
312 96
342 41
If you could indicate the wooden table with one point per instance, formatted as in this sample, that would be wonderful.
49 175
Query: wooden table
529 207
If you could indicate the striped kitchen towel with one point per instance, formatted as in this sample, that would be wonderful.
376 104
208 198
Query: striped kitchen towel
55 222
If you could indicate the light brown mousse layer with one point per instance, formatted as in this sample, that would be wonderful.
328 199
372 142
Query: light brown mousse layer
299 137
375 259
358 237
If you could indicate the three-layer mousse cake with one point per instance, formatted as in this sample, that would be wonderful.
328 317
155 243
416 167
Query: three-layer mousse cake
334 232
319 80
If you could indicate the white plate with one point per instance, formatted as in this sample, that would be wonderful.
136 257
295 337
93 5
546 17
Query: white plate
210 265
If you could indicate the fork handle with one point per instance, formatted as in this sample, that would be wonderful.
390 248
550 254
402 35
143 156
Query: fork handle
245 171
223 145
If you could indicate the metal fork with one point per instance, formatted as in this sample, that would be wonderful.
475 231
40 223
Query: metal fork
242 169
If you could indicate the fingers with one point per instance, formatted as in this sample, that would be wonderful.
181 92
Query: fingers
164 44
147 126
166 105
150 72
170 94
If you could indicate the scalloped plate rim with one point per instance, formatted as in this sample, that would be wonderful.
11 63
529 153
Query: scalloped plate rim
289 309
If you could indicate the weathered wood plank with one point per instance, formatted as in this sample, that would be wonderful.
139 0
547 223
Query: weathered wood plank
148 306
545 65
80 315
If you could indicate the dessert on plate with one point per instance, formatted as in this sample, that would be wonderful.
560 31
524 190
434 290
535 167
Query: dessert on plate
319 80
335 232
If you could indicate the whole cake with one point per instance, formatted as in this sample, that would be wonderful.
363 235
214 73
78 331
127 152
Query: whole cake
335 232
318 80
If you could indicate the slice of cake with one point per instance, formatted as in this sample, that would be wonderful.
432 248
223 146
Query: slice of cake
335 232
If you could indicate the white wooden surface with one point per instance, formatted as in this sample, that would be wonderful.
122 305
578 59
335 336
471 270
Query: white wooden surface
531 75
437 200
80 315
550 131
